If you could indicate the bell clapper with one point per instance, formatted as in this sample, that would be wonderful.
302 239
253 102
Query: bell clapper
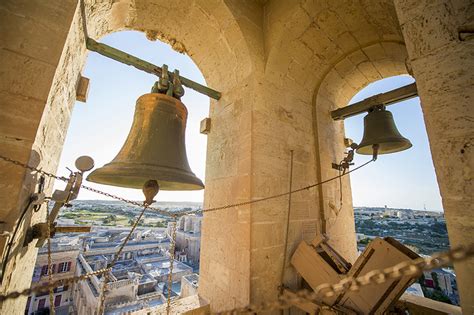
375 147
150 190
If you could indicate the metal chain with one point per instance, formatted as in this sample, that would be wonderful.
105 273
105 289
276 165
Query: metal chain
116 257
50 267
54 284
409 268
181 213
170 275
31 168
244 203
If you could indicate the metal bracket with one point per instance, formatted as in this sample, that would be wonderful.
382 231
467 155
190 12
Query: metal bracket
346 161
61 199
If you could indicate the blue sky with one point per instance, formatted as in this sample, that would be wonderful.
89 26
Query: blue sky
99 127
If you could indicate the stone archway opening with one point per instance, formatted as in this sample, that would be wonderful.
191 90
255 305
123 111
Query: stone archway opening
398 196
48 92
408 176
394 175
335 89
100 126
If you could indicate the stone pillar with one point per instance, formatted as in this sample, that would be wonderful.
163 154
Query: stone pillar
254 129
225 234
37 62
443 66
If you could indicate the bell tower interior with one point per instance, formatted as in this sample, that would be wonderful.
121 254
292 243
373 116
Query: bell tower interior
281 67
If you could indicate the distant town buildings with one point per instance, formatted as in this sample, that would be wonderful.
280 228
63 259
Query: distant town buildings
423 232
64 253
188 238
137 282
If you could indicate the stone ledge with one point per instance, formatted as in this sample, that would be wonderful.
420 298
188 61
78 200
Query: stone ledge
191 305
421 305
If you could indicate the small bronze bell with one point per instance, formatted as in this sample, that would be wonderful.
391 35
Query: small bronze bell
154 149
380 129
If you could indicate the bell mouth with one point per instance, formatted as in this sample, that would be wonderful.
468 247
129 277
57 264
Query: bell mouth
131 175
384 147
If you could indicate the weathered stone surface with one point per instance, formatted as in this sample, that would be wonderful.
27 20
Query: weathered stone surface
442 66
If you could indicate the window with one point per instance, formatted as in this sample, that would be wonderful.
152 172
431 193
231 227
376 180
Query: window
64 267
61 289
44 270
57 300
41 304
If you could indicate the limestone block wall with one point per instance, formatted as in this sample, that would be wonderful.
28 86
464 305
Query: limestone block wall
443 66
33 118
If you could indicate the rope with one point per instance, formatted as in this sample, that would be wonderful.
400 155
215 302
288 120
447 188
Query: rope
54 284
12 238
116 256
282 275
50 267
274 196
170 275
181 213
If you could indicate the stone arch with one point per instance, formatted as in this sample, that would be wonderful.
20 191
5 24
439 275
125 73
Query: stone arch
224 59
305 41
348 76
44 93
320 53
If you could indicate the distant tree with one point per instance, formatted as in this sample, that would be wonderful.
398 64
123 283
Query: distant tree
109 219
160 224
364 241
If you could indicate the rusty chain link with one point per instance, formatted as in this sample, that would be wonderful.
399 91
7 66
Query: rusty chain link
170 275
407 268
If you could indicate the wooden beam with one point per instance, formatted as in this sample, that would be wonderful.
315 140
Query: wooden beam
146 66
387 98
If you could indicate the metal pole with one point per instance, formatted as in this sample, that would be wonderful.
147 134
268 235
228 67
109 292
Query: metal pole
287 222
146 66
388 98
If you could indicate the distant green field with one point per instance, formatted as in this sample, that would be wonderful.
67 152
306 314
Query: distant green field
108 218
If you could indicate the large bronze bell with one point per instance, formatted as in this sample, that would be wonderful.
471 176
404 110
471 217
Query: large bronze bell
154 149
380 129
